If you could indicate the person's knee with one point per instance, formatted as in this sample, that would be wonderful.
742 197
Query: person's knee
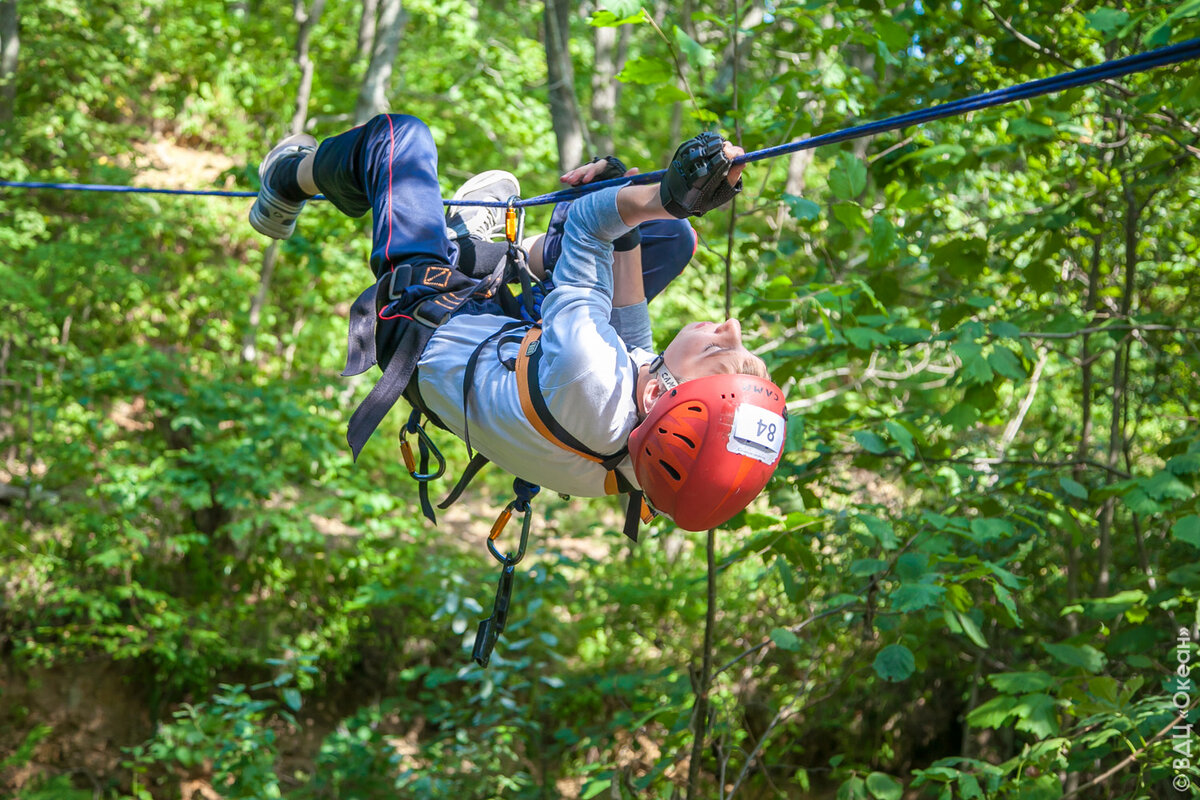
403 128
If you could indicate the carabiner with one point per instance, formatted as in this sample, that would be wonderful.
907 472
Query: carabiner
498 526
514 221
427 446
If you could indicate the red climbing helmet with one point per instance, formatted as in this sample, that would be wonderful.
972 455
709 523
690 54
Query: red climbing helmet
708 446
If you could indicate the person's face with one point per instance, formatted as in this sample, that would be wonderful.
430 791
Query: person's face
701 349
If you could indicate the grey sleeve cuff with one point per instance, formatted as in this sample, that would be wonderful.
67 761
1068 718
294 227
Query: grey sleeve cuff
632 324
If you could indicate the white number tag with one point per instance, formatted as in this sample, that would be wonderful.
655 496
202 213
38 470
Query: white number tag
757 433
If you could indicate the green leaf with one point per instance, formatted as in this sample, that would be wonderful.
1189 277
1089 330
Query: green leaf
1073 488
968 787
1107 20
1024 128
853 789
976 370
696 54
903 437
1021 682
1187 530
867 566
646 71
1163 485
993 713
1004 330
882 530
1006 363
894 663
871 442
849 178
786 640
1189 9
1043 787
669 93
1159 35
866 338
630 12
883 239
594 787
1035 714
1184 464
1083 656
850 214
961 416
971 629
884 787
1006 600
787 576
802 208
291 696
906 335
915 596
989 529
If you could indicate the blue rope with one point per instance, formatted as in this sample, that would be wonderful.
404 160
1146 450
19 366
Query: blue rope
1163 56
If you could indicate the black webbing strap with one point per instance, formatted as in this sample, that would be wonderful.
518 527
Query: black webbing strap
387 391
469 376
633 515
360 344
541 419
478 462
423 485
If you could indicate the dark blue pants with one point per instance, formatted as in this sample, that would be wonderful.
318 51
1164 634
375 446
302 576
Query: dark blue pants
389 166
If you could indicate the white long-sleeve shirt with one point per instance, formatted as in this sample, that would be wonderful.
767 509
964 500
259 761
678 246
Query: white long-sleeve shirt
587 374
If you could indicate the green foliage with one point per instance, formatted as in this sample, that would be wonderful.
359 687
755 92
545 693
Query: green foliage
986 519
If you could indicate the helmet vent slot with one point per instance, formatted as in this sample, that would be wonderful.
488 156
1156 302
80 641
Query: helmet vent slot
685 439
697 409
674 473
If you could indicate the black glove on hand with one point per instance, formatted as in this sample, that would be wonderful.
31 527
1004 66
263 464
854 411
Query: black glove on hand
695 182
614 168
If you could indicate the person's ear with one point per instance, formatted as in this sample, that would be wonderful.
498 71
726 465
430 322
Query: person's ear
651 393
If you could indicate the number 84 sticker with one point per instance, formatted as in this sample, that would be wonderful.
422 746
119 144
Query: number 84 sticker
757 433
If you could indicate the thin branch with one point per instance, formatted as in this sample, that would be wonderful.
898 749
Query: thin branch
1132 757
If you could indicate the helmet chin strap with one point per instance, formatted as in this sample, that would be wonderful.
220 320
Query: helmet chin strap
658 370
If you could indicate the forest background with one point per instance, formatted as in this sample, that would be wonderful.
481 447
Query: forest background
974 574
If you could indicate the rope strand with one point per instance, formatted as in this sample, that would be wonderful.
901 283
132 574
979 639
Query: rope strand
1162 57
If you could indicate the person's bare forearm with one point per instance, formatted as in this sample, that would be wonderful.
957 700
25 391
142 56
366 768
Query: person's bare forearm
628 288
638 204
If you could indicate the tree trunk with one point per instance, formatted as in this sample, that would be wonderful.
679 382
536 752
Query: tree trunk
373 95
564 107
1120 380
366 29
9 45
604 89
307 18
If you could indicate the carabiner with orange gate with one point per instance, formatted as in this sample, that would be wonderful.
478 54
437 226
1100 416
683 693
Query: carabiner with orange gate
491 628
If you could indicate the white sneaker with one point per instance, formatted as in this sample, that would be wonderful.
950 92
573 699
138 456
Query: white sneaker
484 222
272 215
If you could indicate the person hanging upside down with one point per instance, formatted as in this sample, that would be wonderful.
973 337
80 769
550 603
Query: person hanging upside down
580 403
